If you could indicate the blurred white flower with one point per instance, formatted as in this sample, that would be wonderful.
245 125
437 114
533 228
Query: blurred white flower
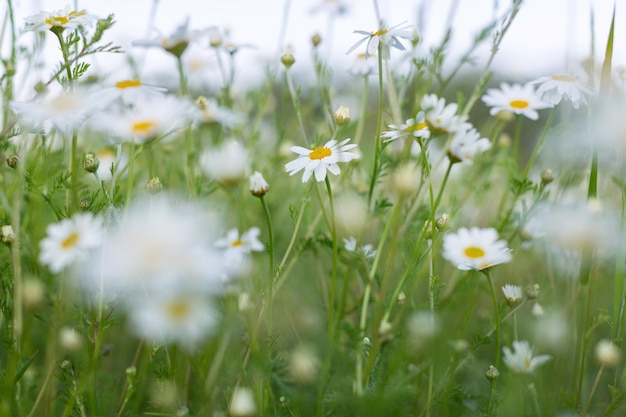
69 241
129 92
168 316
512 294
64 112
227 164
521 359
607 353
412 128
475 248
385 37
158 246
362 66
177 42
212 112
65 18
442 118
367 250
237 248
321 159
554 88
258 186
147 120
110 161
465 144
242 403
517 98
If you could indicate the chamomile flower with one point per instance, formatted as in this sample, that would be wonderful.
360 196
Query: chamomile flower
177 42
321 159
59 19
385 37
69 241
414 128
258 186
512 293
554 88
442 118
362 66
146 120
64 112
516 98
475 249
521 359
227 164
130 91
172 317
237 248
465 144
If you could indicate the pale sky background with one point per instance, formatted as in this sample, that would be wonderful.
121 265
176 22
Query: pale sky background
546 37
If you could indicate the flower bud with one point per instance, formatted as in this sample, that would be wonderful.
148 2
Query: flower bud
91 162
303 365
258 186
547 176
13 161
242 403
607 353
84 205
532 291
492 373
33 293
154 185
443 222
316 40
70 339
342 116
287 59
7 235
505 116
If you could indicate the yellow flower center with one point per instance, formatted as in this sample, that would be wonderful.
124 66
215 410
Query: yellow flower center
519 104
566 78
57 20
474 252
419 126
127 84
320 152
177 310
70 241
380 32
527 363
143 127
236 243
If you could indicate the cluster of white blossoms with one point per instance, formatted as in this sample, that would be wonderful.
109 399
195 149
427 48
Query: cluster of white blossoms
161 261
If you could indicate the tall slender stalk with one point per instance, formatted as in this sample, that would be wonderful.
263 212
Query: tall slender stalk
379 124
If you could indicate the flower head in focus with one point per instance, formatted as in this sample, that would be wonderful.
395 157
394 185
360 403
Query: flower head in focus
475 248
554 88
69 241
413 128
516 98
521 359
59 20
321 159
385 38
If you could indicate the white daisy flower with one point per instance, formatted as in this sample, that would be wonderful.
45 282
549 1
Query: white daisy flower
69 241
554 88
442 118
65 19
368 250
237 248
177 42
415 128
516 98
130 91
465 144
159 244
512 293
521 359
227 164
212 112
172 317
321 159
364 67
475 248
146 120
64 112
386 37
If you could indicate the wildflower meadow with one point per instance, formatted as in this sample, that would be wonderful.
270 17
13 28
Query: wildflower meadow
417 235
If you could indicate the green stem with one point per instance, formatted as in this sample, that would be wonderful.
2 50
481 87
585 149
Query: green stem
540 142
333 281
517 132
593 391
494 298
270 248
379 125
296 104
296 228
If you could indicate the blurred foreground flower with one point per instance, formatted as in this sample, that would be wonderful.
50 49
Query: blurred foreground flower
385 37
475 249
517 98
521 359
321 159
442 118
227 164
554 88
70 240
177 42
